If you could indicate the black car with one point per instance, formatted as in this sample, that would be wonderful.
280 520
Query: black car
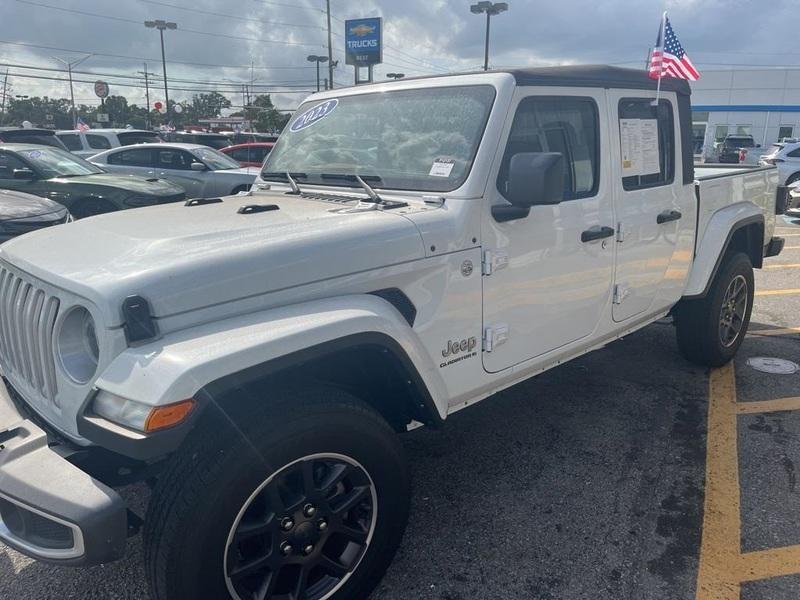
21 213
730 146
213 140
30 135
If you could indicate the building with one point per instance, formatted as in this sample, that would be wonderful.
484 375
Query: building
762 102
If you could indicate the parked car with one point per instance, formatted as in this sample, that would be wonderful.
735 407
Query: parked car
201 171
21 213
787 158
88 143
213 140
249 155
82 187
728 150
255 358
30 135
249 137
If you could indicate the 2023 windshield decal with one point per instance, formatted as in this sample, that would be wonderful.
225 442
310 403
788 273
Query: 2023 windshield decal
314 114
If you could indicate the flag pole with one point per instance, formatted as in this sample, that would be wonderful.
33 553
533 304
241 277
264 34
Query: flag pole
662 32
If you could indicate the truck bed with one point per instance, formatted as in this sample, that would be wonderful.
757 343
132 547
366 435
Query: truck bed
721 186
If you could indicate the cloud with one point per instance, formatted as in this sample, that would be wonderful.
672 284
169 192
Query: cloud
421 36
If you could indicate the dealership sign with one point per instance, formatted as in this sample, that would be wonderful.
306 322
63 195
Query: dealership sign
101 89
363 40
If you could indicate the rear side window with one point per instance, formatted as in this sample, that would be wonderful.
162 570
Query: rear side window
132 158
647 140
71 140
794 153
258 154
128 138
97 142
569 126
240 154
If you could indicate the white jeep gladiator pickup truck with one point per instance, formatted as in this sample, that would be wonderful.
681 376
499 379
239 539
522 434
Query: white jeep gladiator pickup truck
413 248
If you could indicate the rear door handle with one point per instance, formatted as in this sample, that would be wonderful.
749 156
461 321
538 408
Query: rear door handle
667 216
596 233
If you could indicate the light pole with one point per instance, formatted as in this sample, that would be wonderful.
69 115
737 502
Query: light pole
69 65
317 59
395 76
491 9
161 26
330 47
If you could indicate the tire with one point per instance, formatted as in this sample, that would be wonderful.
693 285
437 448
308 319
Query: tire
707 333
89 207
191 523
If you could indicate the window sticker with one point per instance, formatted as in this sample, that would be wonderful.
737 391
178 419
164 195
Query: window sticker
442 167
639 147
35 154
314 115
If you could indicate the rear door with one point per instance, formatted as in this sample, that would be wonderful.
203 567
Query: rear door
175 165
655 211
547 288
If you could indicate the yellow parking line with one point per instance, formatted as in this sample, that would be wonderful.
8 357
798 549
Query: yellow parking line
790 234
774 562
791 247
789 292
766 406
783 266
720 555
782 331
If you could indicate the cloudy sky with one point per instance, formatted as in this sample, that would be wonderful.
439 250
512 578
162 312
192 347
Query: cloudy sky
217 40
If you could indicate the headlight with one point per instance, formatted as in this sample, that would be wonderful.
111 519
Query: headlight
77 346
142 417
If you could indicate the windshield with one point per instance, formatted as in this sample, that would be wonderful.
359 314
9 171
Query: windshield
216 161
421 139
52 162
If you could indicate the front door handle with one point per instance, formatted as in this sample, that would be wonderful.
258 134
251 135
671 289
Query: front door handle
597 233
667 216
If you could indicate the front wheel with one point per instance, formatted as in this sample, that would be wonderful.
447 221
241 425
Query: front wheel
711 329
307 499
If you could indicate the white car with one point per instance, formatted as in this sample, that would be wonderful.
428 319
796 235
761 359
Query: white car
787 158
90 142
202 171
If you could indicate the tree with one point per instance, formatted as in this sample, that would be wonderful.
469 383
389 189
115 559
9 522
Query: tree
265 116
37 109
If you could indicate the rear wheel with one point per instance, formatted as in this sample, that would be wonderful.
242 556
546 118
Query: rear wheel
305 500
711 329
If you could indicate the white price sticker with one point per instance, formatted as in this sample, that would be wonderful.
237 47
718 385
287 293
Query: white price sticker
442 167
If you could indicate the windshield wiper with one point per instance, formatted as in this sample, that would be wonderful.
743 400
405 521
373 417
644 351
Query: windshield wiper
361 180
286 176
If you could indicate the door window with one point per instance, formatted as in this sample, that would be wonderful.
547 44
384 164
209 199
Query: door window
8 163
794 153
569 126
785 131
639 116
97 142
239 154
71 140
720 133
132 158
177 160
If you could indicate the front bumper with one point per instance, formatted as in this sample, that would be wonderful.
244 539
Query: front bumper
50 509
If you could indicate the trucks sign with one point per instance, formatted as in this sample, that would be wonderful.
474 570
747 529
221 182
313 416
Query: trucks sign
364 41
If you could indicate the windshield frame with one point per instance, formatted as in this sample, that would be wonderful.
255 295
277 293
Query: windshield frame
22 155
305 106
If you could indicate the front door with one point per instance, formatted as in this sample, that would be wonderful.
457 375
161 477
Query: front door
175 165
655 211
548 288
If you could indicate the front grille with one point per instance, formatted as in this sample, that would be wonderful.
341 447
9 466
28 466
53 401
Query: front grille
27 319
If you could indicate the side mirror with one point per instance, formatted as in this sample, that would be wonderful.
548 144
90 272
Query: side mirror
196 166
534 179
24 174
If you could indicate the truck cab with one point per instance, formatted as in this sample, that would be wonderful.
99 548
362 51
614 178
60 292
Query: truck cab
409 249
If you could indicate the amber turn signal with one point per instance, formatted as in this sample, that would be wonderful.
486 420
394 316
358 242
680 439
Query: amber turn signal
170 415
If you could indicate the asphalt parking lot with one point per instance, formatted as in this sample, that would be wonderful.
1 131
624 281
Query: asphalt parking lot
627 474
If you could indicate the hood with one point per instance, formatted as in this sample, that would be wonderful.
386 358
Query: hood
132 183
17 205
182 258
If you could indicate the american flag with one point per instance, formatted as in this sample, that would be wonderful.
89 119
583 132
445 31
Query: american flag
668 58
82 126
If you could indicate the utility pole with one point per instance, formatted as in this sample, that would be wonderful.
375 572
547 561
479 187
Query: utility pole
5 88
146 95
69 65
330 47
